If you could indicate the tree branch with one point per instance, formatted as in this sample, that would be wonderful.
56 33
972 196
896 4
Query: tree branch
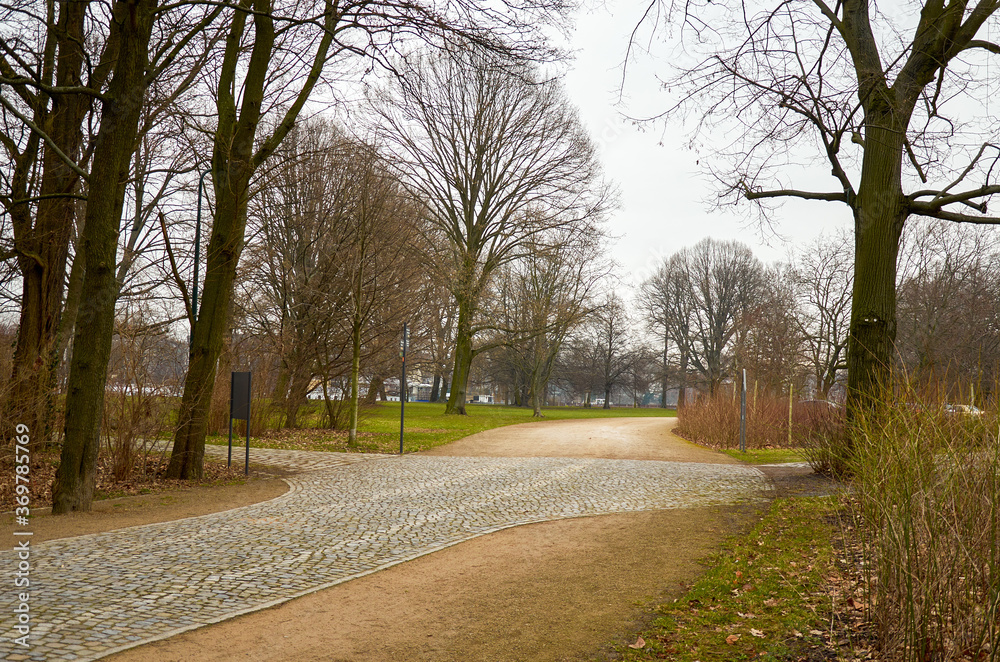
792 193
978 43
954 217
176 273
51 143
941 200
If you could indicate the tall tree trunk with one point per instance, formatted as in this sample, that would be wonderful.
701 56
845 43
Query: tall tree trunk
436 388
463 359
663 387
682 381
298 391
352 435
375 387
76 476
878 220
234 161
43 249
231 171
607 397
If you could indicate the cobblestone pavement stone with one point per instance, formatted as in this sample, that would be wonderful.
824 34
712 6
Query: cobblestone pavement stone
344 516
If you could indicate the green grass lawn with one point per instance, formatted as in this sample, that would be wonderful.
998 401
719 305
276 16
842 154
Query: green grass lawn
764 597
426 426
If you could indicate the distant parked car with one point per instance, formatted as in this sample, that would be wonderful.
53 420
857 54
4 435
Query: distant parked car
963 410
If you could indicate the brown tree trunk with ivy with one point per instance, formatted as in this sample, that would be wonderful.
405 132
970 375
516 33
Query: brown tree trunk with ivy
131 23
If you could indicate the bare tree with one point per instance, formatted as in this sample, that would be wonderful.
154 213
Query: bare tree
767 341
610 337
137 62
882 104
948 310
665 301
545 296
822 276
701 293
500 161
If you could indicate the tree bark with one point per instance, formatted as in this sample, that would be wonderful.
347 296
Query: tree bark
463 360
880 213
76 476
234 161
352 435
663 394
436 388
682 381
374 390
43 249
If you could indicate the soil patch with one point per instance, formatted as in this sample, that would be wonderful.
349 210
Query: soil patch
799 481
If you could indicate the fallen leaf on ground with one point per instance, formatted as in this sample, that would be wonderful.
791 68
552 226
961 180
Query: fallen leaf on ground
639 643
756 633
732 639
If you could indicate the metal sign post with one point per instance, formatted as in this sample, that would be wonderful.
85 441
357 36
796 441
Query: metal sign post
239 407
402 392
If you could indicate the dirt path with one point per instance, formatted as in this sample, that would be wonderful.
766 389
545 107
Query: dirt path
609 438
552 591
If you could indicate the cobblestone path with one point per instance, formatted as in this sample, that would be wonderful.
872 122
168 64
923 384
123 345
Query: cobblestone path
345 516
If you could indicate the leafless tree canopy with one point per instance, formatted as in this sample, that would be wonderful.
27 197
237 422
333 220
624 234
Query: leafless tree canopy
889 102
502 165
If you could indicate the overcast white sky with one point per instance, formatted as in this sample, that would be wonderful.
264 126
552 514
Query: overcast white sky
662 189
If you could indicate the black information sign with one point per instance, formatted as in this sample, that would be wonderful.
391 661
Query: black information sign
239 408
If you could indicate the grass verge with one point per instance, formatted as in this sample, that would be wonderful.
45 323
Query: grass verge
426 426
766 596
767 455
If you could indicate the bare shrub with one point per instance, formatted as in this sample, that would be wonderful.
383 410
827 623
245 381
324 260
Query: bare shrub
927 494
144 370
820 429
715 421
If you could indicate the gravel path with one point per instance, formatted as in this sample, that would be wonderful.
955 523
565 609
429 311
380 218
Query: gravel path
344 517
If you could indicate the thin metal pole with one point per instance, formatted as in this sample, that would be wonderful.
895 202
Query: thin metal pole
232 382
743 413
402 393
246 467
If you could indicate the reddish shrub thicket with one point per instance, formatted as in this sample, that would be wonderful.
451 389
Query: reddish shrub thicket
715 422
